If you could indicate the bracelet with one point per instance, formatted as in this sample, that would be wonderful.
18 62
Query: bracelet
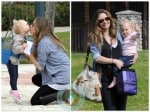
112 60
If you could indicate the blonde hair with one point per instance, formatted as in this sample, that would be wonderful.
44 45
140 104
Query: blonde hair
17 25
125 21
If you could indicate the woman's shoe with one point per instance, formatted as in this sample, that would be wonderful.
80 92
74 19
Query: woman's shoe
48 98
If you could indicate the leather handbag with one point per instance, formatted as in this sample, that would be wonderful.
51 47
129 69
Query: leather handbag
126 82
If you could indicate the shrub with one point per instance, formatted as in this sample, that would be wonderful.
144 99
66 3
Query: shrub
17 10
26 10
62 17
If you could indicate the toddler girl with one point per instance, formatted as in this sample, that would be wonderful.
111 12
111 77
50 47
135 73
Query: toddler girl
20 28
129 45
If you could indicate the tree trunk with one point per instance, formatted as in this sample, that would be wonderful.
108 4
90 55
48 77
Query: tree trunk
50 13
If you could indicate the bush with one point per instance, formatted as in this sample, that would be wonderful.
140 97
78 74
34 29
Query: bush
62 17
26 11
21 10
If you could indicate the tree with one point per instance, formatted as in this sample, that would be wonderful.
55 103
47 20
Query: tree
50 12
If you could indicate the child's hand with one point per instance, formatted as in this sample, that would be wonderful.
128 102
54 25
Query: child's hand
24 45
137 27
118 63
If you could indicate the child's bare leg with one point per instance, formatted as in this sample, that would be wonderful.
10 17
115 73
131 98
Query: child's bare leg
113 83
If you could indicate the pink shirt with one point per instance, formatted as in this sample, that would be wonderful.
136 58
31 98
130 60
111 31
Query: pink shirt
129 44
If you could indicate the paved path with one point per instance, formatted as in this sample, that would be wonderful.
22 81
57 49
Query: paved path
26 89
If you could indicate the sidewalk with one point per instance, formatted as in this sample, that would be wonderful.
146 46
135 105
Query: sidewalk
62 29
26 89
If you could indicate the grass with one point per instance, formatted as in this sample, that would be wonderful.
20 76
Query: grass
137 102
65 38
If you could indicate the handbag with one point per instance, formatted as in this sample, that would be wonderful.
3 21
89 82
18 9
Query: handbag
6 48
126 82
88 83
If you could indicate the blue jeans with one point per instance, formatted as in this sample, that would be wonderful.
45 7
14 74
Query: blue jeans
126 61
13 73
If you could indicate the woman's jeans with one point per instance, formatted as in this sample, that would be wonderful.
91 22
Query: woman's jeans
44 94
13 73
111 99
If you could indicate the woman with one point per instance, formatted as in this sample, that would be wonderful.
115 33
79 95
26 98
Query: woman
52 62
106 49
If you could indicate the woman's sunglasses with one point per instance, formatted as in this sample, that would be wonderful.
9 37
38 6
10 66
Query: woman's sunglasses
105 19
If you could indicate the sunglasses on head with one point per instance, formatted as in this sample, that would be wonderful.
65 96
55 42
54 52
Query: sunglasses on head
105 19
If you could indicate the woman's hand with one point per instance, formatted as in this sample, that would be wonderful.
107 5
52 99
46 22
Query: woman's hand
118 63
134 58
27 56
34 61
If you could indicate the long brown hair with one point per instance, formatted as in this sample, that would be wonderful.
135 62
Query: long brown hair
95 35
43 28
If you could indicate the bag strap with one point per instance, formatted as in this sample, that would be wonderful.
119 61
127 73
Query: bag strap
8 33
87 56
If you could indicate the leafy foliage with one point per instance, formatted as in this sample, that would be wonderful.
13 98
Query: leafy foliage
17 10
62 14
26 11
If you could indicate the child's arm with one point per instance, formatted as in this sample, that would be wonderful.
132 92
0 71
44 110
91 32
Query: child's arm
17 46
135 35
137 28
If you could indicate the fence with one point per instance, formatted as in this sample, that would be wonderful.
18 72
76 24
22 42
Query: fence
79 37
145 34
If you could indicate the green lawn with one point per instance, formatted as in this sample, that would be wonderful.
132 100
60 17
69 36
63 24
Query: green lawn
65 38
137 102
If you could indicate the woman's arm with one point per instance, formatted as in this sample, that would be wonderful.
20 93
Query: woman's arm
105 60
95 51
34 61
